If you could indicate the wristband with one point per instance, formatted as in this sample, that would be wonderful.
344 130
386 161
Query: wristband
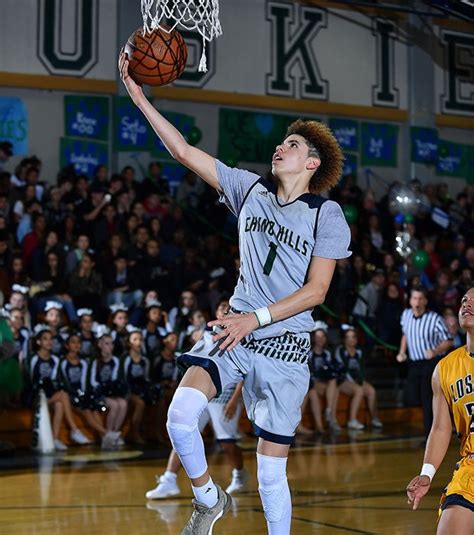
263 316
428 470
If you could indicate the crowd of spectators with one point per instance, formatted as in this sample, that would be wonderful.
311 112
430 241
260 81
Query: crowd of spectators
110 255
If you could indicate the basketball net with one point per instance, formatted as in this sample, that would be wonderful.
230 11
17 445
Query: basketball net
200 15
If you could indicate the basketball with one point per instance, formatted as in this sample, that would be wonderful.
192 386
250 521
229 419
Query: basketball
156 58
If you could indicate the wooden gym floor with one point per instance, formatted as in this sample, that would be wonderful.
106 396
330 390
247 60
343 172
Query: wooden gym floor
351 484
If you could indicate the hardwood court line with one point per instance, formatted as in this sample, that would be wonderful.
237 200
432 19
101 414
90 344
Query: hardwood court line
326 524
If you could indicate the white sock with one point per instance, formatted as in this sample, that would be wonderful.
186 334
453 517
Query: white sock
207 494
170 476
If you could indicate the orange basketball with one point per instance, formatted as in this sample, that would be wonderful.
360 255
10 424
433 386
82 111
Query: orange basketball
156 58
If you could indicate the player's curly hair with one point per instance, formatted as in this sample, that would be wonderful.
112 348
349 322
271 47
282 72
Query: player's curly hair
322 144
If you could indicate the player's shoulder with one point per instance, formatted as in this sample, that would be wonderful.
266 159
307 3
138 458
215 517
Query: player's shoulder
452 358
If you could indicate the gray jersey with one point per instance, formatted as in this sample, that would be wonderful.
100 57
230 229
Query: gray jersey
277 242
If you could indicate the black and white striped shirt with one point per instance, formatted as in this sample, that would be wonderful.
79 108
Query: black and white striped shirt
423 332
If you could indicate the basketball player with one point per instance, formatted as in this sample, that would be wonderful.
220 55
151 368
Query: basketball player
290 239
453 401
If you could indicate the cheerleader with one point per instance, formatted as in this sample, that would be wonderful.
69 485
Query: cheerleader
118 323
44 370
350 355
156 328
85 333
74 373
324 374
53 310
136 368
105 383
165 373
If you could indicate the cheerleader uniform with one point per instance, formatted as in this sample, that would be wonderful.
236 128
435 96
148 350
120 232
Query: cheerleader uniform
136 375
323 367
104 379
152 341
354 368
120 341
44 375
87 346
74 378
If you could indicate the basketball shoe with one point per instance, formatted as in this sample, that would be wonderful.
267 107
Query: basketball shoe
166 488
239 481
203 518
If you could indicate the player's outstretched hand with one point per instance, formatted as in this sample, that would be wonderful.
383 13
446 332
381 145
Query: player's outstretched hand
235 327
416 489
134 90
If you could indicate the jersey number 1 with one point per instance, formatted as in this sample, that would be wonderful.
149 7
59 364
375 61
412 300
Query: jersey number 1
270 258
470 412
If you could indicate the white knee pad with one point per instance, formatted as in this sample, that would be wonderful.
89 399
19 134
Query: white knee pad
183 417
274 492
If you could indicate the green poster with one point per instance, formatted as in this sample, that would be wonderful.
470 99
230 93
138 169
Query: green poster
86 117
452 159
379 144
250 136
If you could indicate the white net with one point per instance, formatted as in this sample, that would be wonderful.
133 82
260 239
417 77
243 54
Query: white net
200 15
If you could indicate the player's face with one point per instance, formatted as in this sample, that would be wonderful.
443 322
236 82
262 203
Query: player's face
466 312
418 303
291 156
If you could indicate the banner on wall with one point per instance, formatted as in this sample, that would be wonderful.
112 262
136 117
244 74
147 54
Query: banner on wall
452 159
346 132
469 151
379 144
14 123
350 164
86 117
131 130
424 144
250 136
184 123
84 155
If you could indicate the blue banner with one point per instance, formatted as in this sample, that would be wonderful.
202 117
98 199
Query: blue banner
350 164
424 144
86 117
346 132
85 156
379 144
131 130
14 123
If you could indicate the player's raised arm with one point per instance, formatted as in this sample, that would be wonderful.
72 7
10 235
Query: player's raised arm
193 158
436 447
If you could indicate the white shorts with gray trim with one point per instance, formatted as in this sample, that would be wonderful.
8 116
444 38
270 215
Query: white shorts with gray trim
274 388
225 430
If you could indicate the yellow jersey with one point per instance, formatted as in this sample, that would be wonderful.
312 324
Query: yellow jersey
456 377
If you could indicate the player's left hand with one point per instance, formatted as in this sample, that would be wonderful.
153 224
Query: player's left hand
235 327
416 489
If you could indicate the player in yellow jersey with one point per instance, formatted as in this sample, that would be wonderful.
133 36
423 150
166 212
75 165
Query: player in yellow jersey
453 401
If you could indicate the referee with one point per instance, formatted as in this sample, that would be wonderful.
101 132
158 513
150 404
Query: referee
427 338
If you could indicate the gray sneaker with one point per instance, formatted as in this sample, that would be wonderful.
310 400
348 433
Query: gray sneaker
203 518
